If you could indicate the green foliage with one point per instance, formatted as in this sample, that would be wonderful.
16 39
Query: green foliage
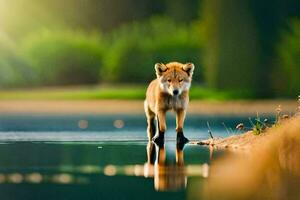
289 62
258 126
105 92
135 48
13 69
76 93
64 57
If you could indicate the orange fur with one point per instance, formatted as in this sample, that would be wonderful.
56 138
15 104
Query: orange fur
170 91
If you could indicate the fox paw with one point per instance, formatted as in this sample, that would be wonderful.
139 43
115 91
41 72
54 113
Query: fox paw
181 139
159 140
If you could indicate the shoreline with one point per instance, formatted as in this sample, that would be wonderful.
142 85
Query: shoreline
248 140
201 107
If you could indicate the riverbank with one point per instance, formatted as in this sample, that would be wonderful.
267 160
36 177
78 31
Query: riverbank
248 140
269 169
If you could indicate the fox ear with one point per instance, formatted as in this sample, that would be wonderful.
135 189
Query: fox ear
189 68
160 68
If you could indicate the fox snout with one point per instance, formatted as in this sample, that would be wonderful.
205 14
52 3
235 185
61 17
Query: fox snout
175 92
171 89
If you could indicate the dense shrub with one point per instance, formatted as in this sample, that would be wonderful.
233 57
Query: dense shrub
13 70
287 75
135 48
64 57
71 57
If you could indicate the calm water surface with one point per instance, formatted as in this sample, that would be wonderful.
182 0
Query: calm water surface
102 157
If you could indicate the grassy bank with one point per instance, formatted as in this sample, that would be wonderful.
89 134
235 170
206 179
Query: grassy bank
127 92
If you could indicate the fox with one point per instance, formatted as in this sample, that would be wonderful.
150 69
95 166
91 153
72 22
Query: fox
169 91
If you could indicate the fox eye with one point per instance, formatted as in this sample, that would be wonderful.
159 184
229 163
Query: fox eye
180 80
169 80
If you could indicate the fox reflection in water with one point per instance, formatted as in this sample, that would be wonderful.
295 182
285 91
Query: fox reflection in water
169 175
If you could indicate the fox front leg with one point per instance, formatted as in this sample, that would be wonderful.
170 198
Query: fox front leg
161 119
180 116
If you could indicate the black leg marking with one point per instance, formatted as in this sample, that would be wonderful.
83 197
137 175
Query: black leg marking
159 138
181 139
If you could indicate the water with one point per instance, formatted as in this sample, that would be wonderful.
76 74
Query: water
106 128
102 157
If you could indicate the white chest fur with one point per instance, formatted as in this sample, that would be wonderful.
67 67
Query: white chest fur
175 102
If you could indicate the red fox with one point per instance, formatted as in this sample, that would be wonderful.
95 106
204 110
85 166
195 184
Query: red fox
169 91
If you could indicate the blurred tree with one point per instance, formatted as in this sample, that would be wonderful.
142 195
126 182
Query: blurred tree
241 41
181 10
18 17
232 50
270 18
286 76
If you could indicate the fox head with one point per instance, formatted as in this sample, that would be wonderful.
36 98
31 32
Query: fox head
174 77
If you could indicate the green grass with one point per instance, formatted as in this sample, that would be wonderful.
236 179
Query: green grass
126 92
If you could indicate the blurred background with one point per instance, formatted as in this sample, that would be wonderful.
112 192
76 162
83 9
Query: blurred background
93 49
101 52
